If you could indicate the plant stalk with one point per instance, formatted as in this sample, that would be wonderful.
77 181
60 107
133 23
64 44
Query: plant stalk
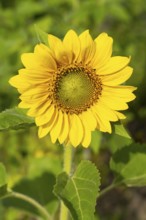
107 189
33 202
68 151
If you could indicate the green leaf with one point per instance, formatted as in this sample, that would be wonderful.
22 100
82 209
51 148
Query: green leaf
116 142
79 192
129 165
42 36
39 188
119 129
3 181
15 119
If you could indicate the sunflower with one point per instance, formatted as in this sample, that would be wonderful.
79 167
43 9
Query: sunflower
72 87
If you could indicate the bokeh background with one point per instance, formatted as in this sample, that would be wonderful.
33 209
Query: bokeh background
21 151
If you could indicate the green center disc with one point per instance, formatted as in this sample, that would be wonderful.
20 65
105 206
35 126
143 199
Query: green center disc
74 89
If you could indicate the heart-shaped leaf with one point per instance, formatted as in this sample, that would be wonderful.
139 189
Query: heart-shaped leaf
119 129
15 119
79 192
129 165
41 35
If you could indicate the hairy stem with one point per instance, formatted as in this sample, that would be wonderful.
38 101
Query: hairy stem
107 189
33 202
68 151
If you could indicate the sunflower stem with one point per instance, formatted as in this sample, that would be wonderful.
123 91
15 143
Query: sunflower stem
68 151
109 188
31 201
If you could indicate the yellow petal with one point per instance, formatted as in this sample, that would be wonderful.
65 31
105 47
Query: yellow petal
87 139
45 129
103 50
120 115
45 117
85 39
76 130
72 45
65 129
54 41
87 47
17 82
35 77
124 93
87 135
114 103
117 78
42 49
24 81
58 49
88 118
104 124
44 58
24 104
43 107
56 129
105 112
34 61
35 73
40 109
115 64
35 103
36 100
34 81
38 91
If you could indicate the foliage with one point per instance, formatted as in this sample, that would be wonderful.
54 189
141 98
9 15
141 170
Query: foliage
76 191
32 165
14 119
129 165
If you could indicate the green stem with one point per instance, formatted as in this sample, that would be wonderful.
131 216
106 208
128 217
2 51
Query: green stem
33 202
107 189
67 168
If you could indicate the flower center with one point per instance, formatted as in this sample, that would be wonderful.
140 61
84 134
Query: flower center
76 89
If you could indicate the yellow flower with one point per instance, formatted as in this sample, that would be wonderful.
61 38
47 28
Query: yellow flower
73 87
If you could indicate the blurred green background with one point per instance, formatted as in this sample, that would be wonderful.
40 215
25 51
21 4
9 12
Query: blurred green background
125 21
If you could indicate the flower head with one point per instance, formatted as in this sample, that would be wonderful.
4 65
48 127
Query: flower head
73 87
